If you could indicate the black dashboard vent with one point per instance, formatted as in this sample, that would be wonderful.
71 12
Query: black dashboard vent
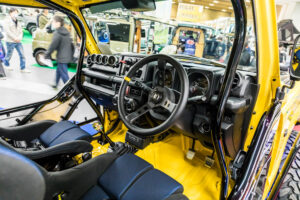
236 81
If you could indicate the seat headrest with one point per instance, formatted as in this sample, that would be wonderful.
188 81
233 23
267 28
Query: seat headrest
20 178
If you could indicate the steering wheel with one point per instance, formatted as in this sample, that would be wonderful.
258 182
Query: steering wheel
159 95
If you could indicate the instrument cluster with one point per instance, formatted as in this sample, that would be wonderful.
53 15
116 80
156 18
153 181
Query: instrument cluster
200 85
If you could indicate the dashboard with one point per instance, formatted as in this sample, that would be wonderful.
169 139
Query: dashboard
104 74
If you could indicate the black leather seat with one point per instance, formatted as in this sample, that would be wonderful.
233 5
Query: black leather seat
46 138
105 177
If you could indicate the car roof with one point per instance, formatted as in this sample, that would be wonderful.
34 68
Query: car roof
33 3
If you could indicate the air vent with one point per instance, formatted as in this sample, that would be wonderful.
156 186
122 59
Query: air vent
236 81
89 61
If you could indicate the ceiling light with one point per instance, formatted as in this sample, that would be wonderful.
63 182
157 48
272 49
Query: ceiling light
192 1
230 8
224 10
211 4
216 1
206 7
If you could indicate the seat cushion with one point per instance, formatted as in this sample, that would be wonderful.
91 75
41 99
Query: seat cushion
153 185
130 177
96 193
61 132
122 173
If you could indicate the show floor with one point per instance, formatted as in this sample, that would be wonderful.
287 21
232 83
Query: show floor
17 89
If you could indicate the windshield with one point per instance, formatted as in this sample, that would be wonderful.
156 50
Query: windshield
194 32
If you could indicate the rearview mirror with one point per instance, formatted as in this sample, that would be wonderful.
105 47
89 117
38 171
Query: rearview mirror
139 5
295 60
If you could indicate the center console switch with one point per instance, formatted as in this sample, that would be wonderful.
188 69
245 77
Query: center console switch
138 142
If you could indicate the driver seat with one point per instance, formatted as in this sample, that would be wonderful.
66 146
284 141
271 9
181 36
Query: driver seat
106 177
46 138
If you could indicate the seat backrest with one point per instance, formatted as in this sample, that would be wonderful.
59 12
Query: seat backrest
20 178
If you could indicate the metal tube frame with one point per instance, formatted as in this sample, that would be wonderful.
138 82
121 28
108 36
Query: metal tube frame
72 108
36 106
216 134
251 163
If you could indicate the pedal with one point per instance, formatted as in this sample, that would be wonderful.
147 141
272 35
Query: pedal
190 154
209 161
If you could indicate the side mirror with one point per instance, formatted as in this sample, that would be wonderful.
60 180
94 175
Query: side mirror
295 60
139 5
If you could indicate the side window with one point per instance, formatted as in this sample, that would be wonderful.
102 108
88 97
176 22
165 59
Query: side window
248 60
34 65
288 28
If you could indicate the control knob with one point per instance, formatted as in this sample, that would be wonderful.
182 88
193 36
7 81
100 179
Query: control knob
130 105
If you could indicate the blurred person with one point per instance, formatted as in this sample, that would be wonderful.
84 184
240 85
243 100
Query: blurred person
229 44
42 19
2 49
245 59
190 46
220 50
62 43
14 35
36 12
210 47
282 53
247 47
2 54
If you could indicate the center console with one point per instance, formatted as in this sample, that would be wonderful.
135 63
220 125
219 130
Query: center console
105 73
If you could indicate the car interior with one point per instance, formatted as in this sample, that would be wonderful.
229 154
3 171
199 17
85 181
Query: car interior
157 120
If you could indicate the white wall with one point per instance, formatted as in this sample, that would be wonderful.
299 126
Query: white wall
163 10
290 10
296 16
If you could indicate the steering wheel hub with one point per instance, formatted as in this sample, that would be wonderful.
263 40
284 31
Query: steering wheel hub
156 96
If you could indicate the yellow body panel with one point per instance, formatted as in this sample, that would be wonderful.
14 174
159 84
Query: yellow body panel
290 113
268 62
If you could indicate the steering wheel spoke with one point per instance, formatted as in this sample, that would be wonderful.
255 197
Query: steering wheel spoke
161 64
143 86
175 91
168 105
132 117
